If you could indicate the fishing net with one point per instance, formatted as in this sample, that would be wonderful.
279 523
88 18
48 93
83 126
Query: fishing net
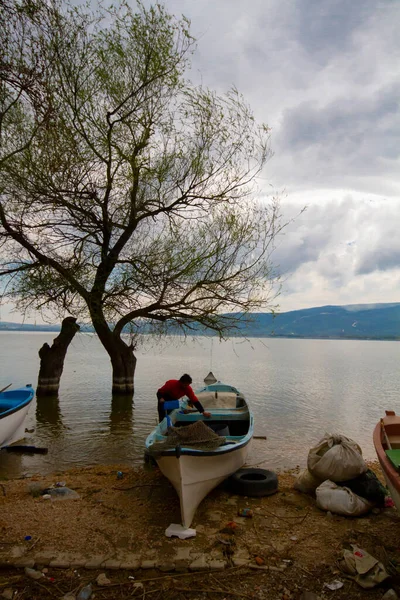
196 435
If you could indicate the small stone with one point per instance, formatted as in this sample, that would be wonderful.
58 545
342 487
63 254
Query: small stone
103 580
7 594
217 565
33 574
148 564
390 595
111 564
199 564
17 551
166 567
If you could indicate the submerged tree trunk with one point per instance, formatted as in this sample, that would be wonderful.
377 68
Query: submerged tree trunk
52 359
123 368
121 354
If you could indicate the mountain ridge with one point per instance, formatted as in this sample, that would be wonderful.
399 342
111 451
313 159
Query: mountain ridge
379 321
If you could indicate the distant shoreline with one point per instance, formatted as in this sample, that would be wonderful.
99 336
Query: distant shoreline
57 329
378 322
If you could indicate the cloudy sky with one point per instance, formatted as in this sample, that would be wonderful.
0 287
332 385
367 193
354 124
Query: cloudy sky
324 75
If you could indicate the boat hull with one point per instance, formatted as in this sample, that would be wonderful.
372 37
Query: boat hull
391 423
195 471
193 477
14 407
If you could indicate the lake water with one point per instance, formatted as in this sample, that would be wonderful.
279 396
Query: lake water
298 390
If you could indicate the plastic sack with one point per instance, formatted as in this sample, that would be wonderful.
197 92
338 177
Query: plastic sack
337 458
61 493
306 482
367 486
366 570
341 500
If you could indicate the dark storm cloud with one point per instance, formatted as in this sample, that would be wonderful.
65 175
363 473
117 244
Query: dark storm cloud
381 259
347 138
326 28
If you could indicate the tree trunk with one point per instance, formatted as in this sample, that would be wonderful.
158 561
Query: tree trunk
122 358
123 363
52 359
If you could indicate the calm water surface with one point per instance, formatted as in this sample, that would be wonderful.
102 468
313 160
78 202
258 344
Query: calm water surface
298 390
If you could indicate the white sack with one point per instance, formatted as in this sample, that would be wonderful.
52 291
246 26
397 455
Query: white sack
306 482
341 500
337 458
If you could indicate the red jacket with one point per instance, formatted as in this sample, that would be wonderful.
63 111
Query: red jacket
173 389
176 390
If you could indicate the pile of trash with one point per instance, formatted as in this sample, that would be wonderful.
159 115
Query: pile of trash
340 479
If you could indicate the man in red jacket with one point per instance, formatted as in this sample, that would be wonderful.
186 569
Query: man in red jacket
174 389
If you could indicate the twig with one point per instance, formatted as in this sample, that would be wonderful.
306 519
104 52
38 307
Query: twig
192 573
34 544
13 579
270 513
266 568
124 489
218 583
46 588
257 534
305 570
305 517
214 591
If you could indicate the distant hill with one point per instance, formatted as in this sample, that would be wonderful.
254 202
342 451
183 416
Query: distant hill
357 321
362 321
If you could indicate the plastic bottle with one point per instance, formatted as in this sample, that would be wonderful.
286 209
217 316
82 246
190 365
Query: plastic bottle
85 592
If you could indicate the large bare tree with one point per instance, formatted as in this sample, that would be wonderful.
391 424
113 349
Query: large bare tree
127 194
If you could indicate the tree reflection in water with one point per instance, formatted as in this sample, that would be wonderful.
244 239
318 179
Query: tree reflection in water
121 415
48 413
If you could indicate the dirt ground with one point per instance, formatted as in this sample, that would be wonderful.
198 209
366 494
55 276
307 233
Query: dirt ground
299 544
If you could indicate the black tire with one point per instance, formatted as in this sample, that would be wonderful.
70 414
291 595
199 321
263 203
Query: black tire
253 482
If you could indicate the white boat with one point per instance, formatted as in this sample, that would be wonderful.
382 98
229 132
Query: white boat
196 467
14 406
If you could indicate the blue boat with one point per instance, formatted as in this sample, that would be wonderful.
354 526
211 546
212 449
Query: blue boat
195 453
14 406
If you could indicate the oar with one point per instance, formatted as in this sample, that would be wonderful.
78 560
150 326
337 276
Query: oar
6 388
385 435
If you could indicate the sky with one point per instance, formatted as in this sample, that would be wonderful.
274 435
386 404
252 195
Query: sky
324 75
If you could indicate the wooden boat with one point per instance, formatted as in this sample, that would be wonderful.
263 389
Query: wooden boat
14 406
194 470
387 445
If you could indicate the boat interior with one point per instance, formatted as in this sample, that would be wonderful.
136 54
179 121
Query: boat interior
13 399
230 416
391 437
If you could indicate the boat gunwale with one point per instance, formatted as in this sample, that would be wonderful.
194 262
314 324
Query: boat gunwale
220 451
19 406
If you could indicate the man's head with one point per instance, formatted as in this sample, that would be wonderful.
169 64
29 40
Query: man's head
185 379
